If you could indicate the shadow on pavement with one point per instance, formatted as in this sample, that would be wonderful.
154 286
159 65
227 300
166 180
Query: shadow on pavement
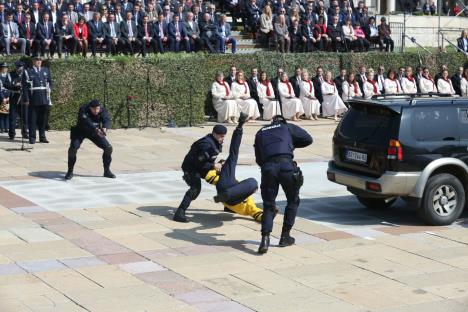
57 175
205 221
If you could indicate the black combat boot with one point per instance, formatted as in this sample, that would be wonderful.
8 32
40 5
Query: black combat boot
220 198
179 216
286 239
69 174
108 173
242 119
264 244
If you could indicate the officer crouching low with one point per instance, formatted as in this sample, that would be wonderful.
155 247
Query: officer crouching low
92 124
274 153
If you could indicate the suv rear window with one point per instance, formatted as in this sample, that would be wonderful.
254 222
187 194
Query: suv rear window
434 123
369 124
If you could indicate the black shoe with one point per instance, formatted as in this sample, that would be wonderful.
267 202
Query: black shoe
264 244
286 241
242 119
12 138
32 141
25 135
109 174
226 209
179 216
69 175
220 198
44 140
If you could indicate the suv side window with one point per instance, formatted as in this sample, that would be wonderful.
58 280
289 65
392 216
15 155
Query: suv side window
435 123
463 122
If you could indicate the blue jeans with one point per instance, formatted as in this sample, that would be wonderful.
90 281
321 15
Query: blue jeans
222 45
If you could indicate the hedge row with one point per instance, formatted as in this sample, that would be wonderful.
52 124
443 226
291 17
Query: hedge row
173 88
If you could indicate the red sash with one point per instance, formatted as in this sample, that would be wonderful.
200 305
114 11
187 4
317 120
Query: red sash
374 84
331 83
225 87
449 82
267 85
245 87
310 85
355 85
432 80
289 86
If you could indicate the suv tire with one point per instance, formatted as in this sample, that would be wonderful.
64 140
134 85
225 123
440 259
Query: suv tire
443 200
376 203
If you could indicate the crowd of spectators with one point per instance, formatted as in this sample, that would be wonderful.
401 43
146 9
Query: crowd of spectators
302 96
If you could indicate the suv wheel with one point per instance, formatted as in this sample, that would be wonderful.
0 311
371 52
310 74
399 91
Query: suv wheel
443 200
376 203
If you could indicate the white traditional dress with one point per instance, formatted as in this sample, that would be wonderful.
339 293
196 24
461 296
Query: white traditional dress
311 105
351 91
249 105
408 85
332 103
290 106
464 87
370 88
426 85
445 86
226 108
266 95
392 86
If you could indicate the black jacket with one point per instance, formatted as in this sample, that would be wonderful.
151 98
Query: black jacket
202 155
296 85
87 123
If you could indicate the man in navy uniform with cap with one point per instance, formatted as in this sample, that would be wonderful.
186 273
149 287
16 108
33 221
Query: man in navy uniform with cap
197 163
36 86
274 153
16 103
92 124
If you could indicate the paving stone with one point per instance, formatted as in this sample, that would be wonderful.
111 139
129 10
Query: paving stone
200 296
28 210
109 276
40 266
398 230
11 200
141 267
120 258
82 262
333 235
35 235
228 306
11 268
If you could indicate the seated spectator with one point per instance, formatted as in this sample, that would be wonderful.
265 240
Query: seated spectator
193 32
361 41
11 36
225 37
296 37
444 84
391 84
320 12
223 100
335 33
462 42
456 80
309 15
282 34
372 33
429 8
129 33
291 105
409 83
177 35
332 104
87 13
28 31
80 33
384 35
45 35
426 83
64 36
253 17
351 89
146 36
114 42
209 34
152 13
370 86
446 8
294 15
96 33
349 15
241 93
456 9
266 26
380 79
320 34
309 101
464 83
308 40
350 38
267 98
281 8
339 80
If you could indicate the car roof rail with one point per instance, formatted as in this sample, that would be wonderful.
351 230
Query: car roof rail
408 95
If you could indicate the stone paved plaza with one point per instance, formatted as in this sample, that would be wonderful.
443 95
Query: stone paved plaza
94 244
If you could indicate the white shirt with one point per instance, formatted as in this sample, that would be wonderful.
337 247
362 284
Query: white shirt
369 90
445 86
392 86
409 86
427 85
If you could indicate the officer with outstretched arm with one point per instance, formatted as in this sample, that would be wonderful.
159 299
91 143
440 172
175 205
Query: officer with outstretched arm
274 153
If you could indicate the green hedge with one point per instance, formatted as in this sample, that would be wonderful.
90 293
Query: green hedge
163 86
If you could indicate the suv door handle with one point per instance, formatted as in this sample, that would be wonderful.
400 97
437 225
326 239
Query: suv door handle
449 139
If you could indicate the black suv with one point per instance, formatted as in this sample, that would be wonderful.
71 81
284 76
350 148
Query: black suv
410 147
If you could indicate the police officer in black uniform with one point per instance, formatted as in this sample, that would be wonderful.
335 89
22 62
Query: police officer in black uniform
36 86
199 160
92 124
16 103
274 153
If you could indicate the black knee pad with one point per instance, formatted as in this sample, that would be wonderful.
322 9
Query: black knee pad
108 150
194 192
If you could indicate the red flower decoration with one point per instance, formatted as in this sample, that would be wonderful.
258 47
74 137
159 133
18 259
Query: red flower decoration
129 97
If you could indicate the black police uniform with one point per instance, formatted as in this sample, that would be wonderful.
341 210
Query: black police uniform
199 160
274 153
16 103
87 128
5 81
36 82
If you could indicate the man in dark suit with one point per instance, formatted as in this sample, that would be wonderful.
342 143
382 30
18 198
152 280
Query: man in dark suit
462 42
129 33
127 6
253 82
177 35
35 13
45 35
19 16
161 35
72 15
138 14
379 77
193 33
295 34
274 83
209 34
456 80
114 41
225 38
296 81
28 32
361 77
308 39
232 75
145 35
64 35
335 32
439 74
317 81
96 32
339 80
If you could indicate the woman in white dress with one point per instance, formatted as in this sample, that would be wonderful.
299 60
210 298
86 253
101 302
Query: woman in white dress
391 85
241 93
444 84
370 86
332 104
426 83
464 83
223 100
351 89
266 95
290 104
408 83
309 102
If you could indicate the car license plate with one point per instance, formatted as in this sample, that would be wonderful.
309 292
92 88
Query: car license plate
356 156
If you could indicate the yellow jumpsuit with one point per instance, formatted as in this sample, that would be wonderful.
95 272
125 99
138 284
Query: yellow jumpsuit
245 208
